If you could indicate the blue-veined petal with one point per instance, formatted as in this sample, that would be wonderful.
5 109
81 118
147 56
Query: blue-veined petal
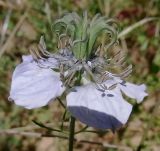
104 110
34 87
131 90
134 91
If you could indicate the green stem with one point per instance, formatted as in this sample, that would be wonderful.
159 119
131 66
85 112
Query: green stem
71 134
72 122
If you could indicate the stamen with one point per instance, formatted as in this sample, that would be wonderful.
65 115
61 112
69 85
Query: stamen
61 67
69 79
43 49
87 68
117 59
42 43
102 86
113 86
104 77
125 73
38 54
105 87
33 54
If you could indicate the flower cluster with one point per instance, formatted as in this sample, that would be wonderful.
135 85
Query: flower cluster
93 92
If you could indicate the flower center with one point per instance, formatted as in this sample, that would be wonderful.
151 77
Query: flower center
95 70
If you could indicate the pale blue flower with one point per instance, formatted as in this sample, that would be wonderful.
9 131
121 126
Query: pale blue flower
97 99
36 84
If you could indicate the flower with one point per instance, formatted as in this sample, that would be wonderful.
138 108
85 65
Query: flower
93 94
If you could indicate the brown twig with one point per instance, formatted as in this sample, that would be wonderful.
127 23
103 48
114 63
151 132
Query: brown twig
30 134
136 25
39 135
35 127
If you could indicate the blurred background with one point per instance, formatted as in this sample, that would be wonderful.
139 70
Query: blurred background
22 22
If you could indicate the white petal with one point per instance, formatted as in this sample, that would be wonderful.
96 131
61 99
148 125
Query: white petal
99 110
27 58
34 87
134 91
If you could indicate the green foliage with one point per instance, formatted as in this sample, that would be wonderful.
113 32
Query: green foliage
84 32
